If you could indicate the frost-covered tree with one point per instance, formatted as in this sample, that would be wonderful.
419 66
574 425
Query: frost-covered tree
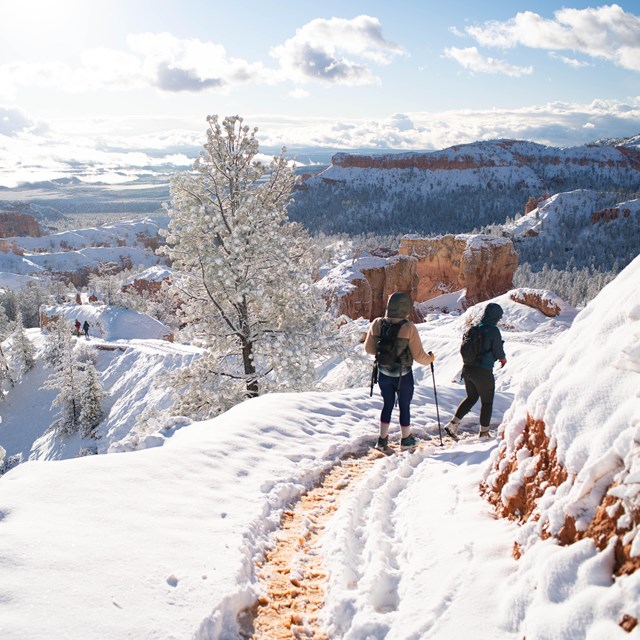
7 375
23 351
90 398
108 286
246 274
75 378
66 377
164 306
58 340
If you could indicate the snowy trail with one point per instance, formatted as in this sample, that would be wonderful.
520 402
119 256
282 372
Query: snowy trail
386 544
351 554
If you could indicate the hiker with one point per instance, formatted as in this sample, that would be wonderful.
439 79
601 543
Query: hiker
77 326
479 381
397 379
85 328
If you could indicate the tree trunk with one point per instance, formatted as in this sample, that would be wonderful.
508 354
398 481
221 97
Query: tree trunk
250 370
247 352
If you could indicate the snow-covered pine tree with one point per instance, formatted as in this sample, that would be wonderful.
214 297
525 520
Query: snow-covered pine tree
7 375
245 275
23 350
65 378
90 398
58 339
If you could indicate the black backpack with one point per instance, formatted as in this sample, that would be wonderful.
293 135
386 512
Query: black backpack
387 354
471 348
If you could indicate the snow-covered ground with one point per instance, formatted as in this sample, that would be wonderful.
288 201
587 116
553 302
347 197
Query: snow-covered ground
127 241
572 207
167 542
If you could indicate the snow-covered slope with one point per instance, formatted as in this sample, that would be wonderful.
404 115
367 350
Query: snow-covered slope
456 189
132 363
130 233
111 323
126 243
170 542
571 215
568 464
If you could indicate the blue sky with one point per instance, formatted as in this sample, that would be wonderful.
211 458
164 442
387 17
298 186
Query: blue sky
411 74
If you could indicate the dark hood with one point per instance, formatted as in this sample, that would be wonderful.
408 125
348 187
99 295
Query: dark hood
399 305
492 314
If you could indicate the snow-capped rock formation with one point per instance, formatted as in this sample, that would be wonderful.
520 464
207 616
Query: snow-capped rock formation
458 189
567 463
425 268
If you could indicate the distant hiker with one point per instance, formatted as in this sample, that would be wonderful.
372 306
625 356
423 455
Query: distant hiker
478 377
77 326
394 374
85 328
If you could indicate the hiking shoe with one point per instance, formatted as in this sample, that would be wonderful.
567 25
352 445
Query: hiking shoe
408 442
484 432
383 443
451 433
452 426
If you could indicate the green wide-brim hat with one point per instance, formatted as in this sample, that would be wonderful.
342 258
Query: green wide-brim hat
399 305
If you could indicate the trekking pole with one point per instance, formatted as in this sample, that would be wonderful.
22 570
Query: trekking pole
374 377
435 395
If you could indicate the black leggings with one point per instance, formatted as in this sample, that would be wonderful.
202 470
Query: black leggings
479 383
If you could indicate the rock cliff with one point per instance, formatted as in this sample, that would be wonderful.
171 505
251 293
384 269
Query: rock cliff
18 224
455 190
424 268
483 265
360 288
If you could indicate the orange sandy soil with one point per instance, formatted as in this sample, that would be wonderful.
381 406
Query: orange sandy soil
292 575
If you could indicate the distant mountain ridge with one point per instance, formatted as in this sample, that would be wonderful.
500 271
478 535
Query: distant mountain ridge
457 189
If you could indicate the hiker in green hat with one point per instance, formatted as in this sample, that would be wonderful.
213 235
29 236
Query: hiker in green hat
395 342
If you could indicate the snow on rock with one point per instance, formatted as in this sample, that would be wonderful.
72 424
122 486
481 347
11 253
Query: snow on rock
545 301
157 273
548 216
577 412
130 233
425 268
577 209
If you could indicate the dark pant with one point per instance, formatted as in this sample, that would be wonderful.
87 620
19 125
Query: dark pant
402 387
479 383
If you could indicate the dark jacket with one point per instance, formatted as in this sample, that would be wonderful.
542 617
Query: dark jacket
492 341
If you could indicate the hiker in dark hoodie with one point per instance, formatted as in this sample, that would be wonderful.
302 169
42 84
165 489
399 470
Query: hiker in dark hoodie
478 379
399 379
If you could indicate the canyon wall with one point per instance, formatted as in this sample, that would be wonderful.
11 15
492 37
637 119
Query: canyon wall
424 268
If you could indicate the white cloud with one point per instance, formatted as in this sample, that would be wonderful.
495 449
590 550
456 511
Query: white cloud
471 59
173 64
555 124
571 62
14 121
156 60
97 146
606 32
325 50
334 51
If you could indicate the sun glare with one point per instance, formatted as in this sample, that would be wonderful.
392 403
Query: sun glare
39 23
